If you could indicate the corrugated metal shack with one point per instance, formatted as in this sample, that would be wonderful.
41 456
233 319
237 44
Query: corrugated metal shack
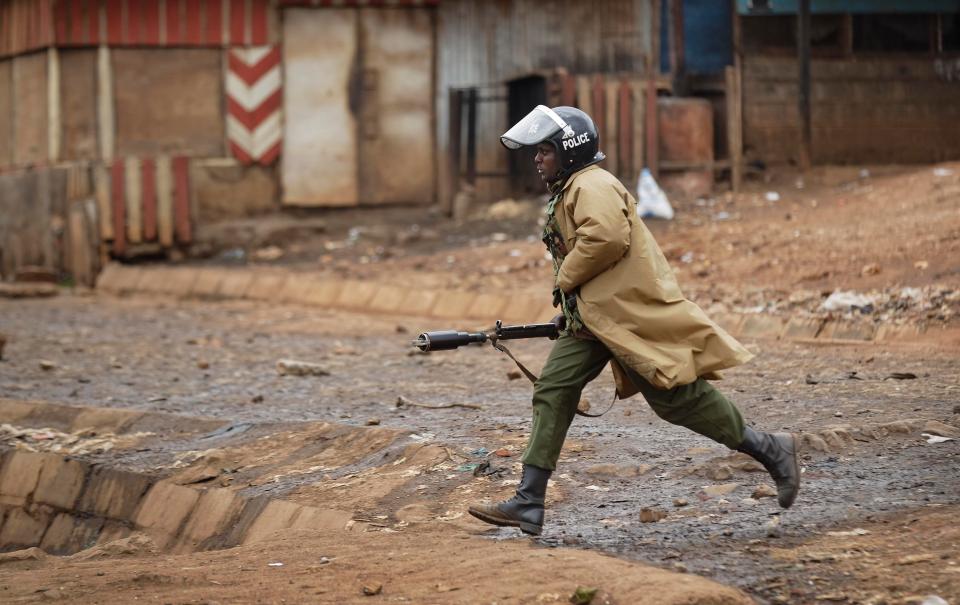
126 125
883 83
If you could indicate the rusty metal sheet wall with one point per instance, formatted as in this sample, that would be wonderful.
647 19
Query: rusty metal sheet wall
319 166
397 111
30 91
6 113
168 101
487 43
878 110
78 99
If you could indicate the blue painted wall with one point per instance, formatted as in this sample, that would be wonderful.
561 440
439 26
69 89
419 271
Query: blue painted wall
708 34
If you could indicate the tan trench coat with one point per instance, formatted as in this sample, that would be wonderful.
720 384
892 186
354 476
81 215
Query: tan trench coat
628 296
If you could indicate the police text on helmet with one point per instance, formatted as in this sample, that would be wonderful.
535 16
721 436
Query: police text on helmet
578 140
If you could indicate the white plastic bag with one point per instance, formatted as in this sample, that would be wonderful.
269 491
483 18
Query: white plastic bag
651 200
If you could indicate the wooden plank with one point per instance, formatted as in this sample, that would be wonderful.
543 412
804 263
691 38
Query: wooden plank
258 22
102 191
173 24
638 95
150 22
181 199
598 101
652 129
584 97
105 109
54 124
214 24
148 177
115 30
238 10
164 202
193 33
76 22
118 206
134 200
734 127
625 132
611 95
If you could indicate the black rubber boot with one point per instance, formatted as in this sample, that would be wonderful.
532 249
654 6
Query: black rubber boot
525 509
777 452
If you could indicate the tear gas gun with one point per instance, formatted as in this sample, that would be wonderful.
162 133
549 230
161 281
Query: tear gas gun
445 340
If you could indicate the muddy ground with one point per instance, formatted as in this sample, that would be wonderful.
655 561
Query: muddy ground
876 520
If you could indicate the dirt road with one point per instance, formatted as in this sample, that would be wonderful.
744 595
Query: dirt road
875 522
367 468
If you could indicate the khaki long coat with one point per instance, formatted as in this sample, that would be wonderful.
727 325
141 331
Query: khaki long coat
628 296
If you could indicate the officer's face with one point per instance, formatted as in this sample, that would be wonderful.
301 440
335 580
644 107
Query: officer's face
546 161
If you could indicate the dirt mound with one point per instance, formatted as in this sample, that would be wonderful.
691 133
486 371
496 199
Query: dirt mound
134 545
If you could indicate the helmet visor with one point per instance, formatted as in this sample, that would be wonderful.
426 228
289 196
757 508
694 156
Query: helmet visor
536 127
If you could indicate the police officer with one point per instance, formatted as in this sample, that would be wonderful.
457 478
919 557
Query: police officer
620 304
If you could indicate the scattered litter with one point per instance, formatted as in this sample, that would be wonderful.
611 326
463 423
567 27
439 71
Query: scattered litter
468 467
292 367
864 173
772 196
687 258
934 600
723 215
844 300
480 452
275 564
942 171
857 531
652 201
936 438
503 452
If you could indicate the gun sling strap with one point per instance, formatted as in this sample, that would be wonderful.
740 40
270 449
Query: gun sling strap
533 377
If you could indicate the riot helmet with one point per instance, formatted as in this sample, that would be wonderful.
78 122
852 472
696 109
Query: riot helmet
570 131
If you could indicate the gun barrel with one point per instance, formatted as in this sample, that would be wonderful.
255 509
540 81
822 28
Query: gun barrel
444 340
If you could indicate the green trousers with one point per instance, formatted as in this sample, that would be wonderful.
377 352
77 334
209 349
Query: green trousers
574 362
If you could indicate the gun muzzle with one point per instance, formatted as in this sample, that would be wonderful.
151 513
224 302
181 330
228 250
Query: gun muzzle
444 340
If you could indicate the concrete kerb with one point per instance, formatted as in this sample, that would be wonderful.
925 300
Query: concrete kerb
362 296
164 510
19 478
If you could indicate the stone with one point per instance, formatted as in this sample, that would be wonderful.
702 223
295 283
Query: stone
20 476
651 515
763 491
276 515
414 513
60 482
680 502
23 529
292 367
47 365
28 554
372 589
941 429
164 509
215 509
713 491
619 470
113 494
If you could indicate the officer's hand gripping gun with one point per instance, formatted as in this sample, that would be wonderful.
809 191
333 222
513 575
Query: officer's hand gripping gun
445 340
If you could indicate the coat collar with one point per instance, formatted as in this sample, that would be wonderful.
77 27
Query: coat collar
570 179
